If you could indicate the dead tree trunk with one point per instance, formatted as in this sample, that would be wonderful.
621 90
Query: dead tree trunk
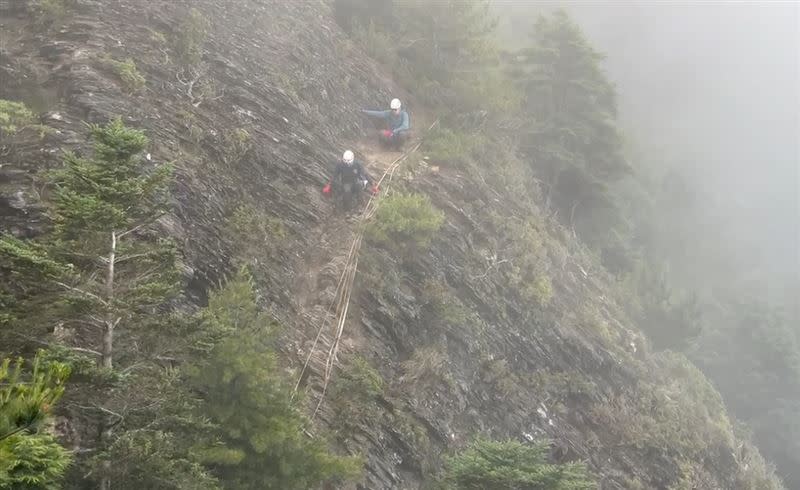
107 349
108 331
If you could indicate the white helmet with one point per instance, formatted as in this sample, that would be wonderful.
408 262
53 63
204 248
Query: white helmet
395 104
348 157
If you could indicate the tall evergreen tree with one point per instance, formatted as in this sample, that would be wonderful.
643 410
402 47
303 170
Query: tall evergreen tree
95 289
570 132
259 434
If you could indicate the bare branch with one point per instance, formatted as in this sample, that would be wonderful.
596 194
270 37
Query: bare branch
130 257
87 351
491 266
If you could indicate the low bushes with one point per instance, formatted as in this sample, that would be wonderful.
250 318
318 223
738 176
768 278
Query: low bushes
405 221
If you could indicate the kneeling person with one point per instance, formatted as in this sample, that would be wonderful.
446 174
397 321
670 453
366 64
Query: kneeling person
349 178
397 122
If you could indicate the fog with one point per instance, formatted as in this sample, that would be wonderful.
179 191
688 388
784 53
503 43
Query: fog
711 89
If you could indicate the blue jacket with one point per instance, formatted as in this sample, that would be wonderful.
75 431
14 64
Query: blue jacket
397 123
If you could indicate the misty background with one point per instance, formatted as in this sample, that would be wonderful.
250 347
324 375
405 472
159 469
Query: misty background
710 90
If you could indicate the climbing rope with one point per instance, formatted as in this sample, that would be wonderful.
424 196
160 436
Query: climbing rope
344 288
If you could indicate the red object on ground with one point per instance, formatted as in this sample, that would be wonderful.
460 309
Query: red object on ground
387 133
374 189
327 189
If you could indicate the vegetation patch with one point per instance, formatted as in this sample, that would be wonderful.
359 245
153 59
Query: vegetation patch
236 144
16 116
525 260
679 411
190 38
47 12
428 367
498 374
194 131
446 146
404 222
446 307
510 464
127 72
415 436
254 233
355 394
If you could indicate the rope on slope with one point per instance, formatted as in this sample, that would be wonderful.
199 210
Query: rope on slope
341 303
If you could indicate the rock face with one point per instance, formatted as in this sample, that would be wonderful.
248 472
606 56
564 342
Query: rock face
254 125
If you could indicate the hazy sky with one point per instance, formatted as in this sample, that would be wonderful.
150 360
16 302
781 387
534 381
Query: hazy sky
716 86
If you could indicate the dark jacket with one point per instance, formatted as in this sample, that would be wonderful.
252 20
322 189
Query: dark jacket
348 174
397 122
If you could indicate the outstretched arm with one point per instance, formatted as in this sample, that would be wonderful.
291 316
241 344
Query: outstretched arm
374 113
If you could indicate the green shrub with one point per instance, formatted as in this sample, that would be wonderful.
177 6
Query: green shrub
158 37
677 412
355 393
589 316
33 462
446 146
236 143
528 265
444 304
50 11
195 132
361 379
540 290
128 74
413 433
498 374
427 366
560 386
15 116
754 472
403 221
253 233
510 465
191 36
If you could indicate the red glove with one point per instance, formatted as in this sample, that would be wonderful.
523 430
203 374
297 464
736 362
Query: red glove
387 133
374 189
327 189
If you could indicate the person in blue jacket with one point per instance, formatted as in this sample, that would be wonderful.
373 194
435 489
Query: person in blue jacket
397 122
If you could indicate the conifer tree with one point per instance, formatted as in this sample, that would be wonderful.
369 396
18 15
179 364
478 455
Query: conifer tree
260 438
30 457
570 132
95 290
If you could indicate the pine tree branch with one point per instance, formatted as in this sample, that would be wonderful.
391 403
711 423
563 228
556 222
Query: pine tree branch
141 225
51 344
85 293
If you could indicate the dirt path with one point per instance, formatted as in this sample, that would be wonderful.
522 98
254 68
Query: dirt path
317 293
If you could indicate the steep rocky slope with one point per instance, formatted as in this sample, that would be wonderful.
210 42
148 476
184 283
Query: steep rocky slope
252 128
